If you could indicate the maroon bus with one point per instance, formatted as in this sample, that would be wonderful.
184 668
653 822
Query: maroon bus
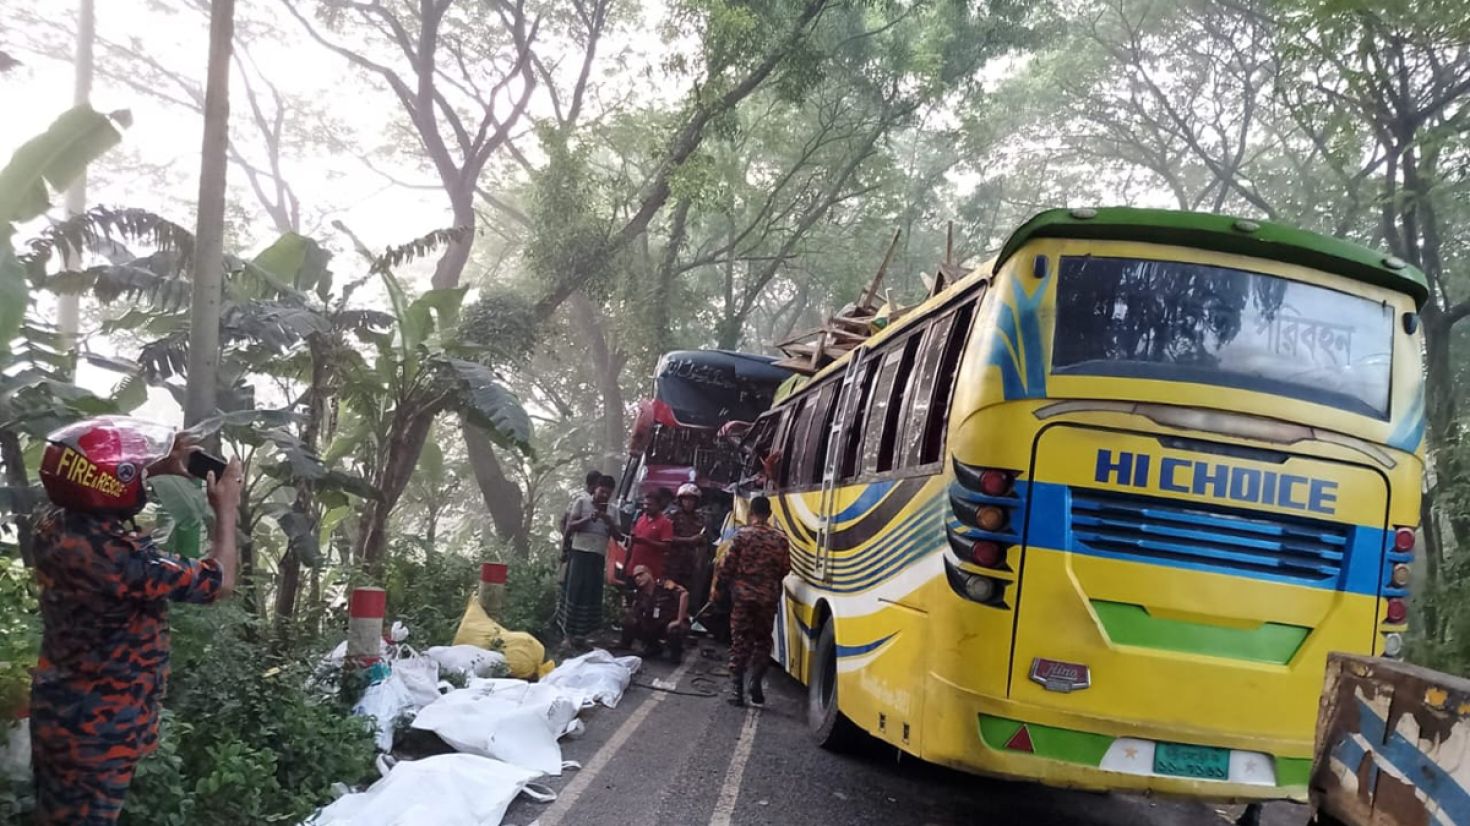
683 433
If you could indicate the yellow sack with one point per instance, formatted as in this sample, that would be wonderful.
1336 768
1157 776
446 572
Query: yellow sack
523 652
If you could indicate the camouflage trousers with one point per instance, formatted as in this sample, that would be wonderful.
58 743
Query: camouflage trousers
82 759
751 622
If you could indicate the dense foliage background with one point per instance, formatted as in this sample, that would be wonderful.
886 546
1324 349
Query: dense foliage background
585 185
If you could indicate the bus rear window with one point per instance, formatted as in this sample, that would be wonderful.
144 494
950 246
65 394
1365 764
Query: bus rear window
1177 321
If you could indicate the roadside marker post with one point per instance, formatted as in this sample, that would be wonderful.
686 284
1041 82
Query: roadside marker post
492 588
365 611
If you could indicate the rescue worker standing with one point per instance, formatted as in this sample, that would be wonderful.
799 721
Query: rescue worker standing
105 589
689 540
752 570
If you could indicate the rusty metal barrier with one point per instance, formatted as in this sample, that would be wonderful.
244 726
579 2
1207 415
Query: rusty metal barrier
1393 745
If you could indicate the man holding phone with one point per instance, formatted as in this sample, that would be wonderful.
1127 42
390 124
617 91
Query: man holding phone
105 589
589 525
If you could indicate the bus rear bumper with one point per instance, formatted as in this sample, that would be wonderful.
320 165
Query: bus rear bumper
989 736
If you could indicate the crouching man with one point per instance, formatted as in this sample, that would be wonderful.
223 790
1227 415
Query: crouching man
657 615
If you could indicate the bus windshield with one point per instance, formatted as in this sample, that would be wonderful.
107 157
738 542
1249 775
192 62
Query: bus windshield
1178 321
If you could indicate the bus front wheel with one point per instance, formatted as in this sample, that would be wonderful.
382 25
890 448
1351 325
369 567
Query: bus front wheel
828 726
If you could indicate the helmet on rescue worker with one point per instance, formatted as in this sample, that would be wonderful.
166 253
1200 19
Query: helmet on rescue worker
689 489
98 465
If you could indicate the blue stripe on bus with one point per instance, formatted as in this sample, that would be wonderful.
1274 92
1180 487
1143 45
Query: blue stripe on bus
871 495
857 650
927 516
915 550
1032 358
896 552
1050 527
1410 430
920 534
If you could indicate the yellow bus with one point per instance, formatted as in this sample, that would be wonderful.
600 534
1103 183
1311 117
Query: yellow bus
1095 514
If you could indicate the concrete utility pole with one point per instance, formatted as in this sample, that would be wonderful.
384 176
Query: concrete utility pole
209 236
67 311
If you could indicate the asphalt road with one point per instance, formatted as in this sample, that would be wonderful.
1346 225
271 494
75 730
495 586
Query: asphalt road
666 758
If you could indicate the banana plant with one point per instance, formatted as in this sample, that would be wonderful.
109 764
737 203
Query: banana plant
35 367
414 375
51 161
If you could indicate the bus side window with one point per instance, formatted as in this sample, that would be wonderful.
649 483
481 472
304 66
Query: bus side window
897 403
878 399
924 375
814 459
758 443
797 422
856 415
944 384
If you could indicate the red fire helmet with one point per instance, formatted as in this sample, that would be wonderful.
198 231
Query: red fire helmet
98 465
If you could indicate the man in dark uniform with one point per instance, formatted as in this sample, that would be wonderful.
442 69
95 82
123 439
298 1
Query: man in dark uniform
752 570
657 615
105 590
688 547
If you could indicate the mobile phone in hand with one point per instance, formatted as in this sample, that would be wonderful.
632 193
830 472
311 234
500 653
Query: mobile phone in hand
202 464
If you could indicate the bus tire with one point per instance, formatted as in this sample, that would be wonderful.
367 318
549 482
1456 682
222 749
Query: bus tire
829 727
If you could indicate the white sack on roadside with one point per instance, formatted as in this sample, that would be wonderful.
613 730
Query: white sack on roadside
385 701
509 720
470 660
595 677
420 677
445 790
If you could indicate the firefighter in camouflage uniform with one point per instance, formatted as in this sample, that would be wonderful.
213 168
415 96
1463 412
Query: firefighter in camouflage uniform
105 589
752 570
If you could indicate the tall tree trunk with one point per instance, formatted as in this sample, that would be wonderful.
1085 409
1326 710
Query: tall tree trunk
315 607
661 319
209 236
289 584
431 528
607 363
457 254
503 497
68 304
406 436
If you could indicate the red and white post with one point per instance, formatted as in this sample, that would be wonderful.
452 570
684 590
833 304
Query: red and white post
365 610
492 588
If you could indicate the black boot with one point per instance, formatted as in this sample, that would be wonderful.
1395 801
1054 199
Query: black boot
737 689
757 687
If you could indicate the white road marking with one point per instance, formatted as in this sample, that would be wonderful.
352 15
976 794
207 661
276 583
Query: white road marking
730 791
567 798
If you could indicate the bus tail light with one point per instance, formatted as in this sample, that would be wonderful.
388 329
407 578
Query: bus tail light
987 554
995 482
990 518
1403 540
980 588
1393 644
1397 611
1400 576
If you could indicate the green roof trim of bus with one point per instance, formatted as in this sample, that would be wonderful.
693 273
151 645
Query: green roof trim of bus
1223 233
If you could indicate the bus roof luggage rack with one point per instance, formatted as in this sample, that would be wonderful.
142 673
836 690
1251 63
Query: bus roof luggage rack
849 327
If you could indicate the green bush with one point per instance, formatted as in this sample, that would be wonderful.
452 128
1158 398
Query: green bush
531 595
244 741
20 635
428 592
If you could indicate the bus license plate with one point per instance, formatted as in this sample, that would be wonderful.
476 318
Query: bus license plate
1192 761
